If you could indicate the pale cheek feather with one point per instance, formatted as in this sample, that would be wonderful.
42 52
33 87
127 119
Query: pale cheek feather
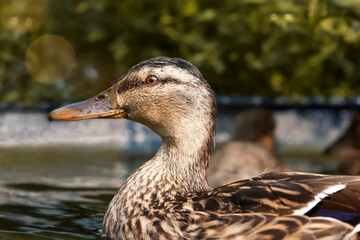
176 73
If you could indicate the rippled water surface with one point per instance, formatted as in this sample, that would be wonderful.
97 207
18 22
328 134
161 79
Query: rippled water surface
63 192
58 193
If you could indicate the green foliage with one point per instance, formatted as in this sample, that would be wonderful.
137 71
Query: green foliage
292 48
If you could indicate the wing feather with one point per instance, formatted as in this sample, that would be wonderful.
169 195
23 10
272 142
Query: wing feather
271 206
269 226
284 193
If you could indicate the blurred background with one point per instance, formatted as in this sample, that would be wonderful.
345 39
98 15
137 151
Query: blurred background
299 59
55 51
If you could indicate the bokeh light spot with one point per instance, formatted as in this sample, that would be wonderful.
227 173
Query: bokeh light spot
50 58
93 71
23 16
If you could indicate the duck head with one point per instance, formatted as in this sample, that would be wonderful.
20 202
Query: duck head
350 139
169 95
256 125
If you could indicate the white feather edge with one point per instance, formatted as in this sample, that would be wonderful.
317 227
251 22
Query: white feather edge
353 232
317 198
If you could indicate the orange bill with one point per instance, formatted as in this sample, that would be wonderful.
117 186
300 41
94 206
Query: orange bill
103 105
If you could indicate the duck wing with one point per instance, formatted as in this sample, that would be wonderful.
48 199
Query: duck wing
284 193
265 226
284 205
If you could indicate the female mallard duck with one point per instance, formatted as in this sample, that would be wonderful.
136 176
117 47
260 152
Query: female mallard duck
348 148
251 153
169 198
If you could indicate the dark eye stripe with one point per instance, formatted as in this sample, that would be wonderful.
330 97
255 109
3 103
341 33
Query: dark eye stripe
128 84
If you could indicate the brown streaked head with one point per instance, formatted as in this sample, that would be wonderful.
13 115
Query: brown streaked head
169 95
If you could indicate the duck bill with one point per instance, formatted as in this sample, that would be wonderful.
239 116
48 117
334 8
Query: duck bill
103 105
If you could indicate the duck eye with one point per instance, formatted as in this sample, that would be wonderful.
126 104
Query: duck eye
151 80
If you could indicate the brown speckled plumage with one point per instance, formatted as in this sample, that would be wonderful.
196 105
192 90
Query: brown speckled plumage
169 198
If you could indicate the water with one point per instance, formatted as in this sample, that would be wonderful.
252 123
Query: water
58 193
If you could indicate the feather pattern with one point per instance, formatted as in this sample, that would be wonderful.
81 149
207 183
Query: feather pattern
169 197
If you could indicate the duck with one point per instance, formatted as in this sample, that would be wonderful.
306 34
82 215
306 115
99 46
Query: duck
347 148
168 197
250 153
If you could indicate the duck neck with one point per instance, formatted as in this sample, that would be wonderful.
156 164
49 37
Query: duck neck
185 153
179 167
186 162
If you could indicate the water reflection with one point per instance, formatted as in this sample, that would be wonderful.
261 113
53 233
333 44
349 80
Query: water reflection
49 211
